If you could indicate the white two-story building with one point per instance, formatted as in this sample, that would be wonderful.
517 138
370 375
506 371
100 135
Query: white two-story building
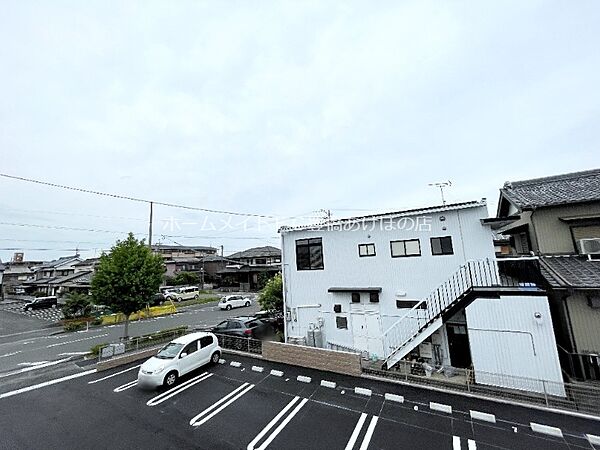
421 283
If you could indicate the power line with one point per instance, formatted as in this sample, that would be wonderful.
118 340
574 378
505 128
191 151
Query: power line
58 227
133 199
54 241
64 213
17 249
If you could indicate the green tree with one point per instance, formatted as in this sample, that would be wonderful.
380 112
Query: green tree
77 305
183 278
127 277
271 296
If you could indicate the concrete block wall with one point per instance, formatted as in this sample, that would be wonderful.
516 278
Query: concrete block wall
312 357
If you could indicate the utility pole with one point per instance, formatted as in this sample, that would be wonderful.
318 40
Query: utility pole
150 226
442 185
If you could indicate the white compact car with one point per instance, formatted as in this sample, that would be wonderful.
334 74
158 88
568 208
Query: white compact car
234 301
183 293
179 357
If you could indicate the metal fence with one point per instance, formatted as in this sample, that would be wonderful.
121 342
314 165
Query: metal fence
106 351
240 344
566 396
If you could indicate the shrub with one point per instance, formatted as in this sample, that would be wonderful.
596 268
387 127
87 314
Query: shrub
77 305
74 326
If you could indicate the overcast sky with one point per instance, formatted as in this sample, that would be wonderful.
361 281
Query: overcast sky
281 108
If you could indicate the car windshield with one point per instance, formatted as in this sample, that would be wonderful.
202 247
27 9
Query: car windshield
169 351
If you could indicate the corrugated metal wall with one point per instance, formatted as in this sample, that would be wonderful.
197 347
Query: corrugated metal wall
506 338
585 322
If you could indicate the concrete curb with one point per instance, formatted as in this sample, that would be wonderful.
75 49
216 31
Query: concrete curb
483 397
545 429
126 359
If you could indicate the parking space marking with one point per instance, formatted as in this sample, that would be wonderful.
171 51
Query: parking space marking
202 418
276 373
282 425
456 444
125 386
177 389
370 431
356 432
303 379
545 429
46 383
113 375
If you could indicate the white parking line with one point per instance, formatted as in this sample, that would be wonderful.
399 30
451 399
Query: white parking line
113 375
472 444
125 386
272 423
369 434
11 354
195 422
356 432
177 389
455 442
46 383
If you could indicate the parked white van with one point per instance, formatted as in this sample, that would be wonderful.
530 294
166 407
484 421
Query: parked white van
183 293
178 357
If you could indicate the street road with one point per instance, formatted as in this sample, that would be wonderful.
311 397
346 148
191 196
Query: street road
259 405
25 344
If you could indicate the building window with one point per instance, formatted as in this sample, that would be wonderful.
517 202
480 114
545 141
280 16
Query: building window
341 322
411 247
401 304
261 261
337 308
356 297
441 246
366 250
374 297
309 254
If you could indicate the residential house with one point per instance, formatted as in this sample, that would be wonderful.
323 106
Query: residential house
16 274
417 283
181 258
187 251
251 268
49 275
555 222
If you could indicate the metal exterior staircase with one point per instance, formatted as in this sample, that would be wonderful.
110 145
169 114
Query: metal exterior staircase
428 315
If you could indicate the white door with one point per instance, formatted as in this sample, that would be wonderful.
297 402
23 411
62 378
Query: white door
366 330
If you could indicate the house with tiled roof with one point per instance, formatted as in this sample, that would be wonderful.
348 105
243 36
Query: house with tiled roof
553 225
248 270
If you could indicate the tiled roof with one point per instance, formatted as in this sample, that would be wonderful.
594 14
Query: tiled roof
574 187
257 252
571 272
56 262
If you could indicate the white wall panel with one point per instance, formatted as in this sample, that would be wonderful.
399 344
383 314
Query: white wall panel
507 339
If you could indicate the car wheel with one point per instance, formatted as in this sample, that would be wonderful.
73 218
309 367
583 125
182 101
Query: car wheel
215 358
247 303
53 306
228 307
197 296
170 379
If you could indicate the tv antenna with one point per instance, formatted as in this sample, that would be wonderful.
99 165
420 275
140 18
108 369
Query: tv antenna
442 185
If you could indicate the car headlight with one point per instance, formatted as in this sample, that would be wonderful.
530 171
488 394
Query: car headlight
159 369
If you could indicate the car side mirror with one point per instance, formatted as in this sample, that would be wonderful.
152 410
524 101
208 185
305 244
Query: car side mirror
183 355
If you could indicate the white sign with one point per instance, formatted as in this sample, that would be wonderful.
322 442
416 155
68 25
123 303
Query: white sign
107 351
119 348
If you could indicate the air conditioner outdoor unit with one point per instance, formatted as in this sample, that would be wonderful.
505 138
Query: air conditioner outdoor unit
590 246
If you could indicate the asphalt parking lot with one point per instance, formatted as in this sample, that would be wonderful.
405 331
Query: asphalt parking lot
257 405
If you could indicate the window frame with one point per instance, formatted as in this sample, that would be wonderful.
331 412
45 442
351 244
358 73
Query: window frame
309 245
337 322
433 253
367 245
404 241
